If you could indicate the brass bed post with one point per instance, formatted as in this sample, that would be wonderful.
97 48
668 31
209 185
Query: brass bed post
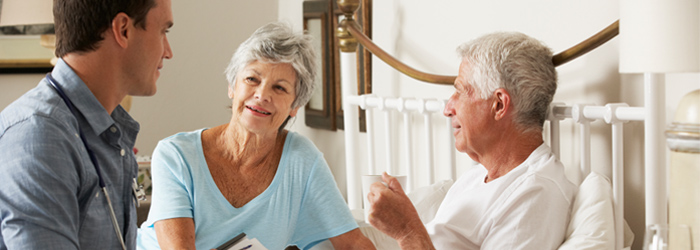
348 46
346 41
587 45
349 25
356 31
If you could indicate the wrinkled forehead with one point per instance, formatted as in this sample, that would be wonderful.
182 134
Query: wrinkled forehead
464 75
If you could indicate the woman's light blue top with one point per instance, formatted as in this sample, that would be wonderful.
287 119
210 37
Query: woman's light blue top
302 206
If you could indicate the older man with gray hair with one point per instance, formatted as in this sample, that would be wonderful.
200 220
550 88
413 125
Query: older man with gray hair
518 197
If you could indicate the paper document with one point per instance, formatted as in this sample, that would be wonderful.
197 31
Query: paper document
242 242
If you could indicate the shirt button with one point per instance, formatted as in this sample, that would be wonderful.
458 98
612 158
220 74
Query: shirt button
122 152
113 129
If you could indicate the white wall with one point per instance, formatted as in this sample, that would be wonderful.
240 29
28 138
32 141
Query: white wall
13 86
192 89
425 34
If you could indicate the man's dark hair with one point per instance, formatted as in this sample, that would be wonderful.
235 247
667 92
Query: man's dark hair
80 23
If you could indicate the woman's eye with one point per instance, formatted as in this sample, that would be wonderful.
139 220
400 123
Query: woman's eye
281 88
251 79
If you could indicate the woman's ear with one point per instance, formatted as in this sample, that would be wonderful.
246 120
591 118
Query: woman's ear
121 29
230 92
293 113
501 103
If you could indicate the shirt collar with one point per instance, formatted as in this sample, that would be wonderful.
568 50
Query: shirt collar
537 154
82 98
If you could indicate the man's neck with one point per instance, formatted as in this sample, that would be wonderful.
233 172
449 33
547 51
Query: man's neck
99 75
512 150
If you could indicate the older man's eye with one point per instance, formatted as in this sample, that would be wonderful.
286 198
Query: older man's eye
251 79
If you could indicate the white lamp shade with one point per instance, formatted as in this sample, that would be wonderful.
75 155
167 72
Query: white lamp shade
659 36
26 12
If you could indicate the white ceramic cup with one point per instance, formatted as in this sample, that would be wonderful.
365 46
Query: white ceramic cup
367 181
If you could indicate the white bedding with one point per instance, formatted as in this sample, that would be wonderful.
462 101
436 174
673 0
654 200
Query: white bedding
591 226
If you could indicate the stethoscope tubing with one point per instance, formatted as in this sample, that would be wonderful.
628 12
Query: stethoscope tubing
93 159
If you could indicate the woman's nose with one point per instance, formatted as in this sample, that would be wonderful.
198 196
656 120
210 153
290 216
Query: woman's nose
262 93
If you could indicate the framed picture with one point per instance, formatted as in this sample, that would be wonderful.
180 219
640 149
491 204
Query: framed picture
21 49
320 111
325 109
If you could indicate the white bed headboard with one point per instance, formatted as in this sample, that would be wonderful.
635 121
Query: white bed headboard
398 139
397 145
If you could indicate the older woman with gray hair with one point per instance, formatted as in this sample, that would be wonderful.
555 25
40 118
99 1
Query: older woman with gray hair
251 175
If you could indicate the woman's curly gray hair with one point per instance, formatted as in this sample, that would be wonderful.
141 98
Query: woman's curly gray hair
277 43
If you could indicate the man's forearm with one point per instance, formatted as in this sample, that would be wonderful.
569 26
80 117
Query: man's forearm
417 239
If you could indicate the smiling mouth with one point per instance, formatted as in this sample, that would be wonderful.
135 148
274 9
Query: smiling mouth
259 111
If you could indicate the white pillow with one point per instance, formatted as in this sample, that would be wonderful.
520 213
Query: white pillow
427 199
592 224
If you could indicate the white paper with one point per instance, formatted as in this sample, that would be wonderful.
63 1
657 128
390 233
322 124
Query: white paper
247 244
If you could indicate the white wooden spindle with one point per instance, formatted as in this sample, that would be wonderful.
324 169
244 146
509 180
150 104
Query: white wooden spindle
369 118
408 148
387 142
349 88
617 170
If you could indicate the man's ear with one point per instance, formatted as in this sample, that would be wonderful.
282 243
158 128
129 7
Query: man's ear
121 29
501 103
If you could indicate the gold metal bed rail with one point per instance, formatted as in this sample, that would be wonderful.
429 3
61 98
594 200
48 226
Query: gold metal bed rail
350 33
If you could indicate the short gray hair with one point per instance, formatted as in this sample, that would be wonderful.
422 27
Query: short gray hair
519 64
277 43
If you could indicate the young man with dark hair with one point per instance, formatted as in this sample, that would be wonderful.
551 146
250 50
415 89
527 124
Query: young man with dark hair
67 163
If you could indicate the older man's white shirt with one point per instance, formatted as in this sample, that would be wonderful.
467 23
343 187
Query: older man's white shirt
528 208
